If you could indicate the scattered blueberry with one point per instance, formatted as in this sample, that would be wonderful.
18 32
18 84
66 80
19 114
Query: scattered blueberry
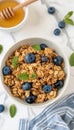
26 86
59 84
6 70
30 99
51 10
57 31
30 58
61 24
1 108
43 46
44 58
57 60
47 88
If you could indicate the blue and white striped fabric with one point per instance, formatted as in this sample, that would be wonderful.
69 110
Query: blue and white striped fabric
57 116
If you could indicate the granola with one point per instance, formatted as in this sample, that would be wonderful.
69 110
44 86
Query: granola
34 74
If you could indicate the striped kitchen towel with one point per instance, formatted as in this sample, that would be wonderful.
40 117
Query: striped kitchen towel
57 116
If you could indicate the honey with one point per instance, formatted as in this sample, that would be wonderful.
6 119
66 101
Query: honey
18 15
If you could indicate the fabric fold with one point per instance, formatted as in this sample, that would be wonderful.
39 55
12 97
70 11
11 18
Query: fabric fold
57 116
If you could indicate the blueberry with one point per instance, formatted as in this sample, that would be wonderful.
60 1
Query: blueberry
59 84
57 31
44 58
6 70
26 86
43 46
61 24
30 58
47 88
1 108
57 60
51 10
30 99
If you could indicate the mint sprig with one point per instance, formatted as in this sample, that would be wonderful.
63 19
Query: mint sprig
71 59
15 61
67 18
12 110
33 76
1 48
23 76
36 47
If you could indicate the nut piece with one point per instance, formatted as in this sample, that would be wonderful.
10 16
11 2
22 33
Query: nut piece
52 94
27 93
40 98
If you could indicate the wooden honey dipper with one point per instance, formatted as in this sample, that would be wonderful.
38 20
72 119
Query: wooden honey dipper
9 12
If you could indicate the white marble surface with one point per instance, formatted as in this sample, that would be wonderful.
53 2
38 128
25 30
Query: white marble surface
39 24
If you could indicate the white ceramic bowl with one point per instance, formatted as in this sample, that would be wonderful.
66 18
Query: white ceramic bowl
20 25
51 45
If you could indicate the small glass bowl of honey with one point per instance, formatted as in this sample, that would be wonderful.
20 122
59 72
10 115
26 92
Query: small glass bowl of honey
16 22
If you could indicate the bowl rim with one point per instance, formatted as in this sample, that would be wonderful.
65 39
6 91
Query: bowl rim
18 25
47 102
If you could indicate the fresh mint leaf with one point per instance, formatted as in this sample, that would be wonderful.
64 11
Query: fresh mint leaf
15 61
68 15
23 76
36 47
67 18
71 59
69 21
33 76
1 48
12 110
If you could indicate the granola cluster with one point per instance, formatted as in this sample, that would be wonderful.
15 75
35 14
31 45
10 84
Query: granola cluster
39 73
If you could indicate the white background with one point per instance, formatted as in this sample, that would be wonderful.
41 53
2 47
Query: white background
39 24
